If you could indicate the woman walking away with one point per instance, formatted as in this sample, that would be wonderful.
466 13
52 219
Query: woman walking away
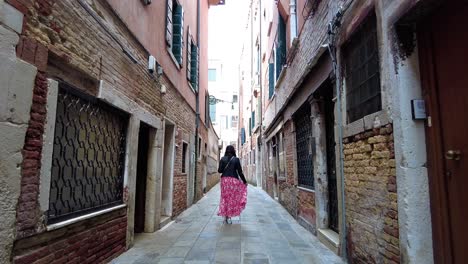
233 189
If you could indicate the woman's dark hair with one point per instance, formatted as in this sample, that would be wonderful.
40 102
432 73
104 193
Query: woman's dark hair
230 151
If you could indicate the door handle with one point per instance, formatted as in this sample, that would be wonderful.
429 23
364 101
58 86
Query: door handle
453 155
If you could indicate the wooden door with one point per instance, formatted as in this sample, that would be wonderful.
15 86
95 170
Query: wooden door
444 64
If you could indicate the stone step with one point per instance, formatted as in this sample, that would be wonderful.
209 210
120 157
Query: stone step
330 239
164 221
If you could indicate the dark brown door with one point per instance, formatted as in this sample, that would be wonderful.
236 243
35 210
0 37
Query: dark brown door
444 64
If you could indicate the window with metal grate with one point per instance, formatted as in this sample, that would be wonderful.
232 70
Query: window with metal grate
361 56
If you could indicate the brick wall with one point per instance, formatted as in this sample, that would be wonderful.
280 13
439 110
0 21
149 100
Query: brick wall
28 214
306 209
179 201
371 197
100 241
63 41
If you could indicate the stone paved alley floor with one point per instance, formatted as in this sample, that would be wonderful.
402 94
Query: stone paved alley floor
264 233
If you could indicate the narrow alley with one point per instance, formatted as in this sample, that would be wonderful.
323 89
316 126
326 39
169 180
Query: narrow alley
264 233
122 121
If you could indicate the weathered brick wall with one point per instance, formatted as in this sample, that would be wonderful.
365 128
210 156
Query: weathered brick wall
306 209
63 33
371 197
98 241
288 190
28 215
179 201
311 38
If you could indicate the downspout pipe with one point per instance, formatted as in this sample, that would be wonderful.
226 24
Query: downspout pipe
197 105
293 21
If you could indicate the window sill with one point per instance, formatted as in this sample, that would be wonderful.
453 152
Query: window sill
281 77
272 97
191 87
84 217
375 120
177 64
305 189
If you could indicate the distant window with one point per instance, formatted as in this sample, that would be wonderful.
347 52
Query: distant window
271 80
184 157
213 113
175 29
234 98
212 75
253 120
280 52
242 136
234 121
361 55
199 147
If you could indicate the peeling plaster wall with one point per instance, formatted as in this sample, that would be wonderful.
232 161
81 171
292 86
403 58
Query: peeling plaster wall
412 176
16 89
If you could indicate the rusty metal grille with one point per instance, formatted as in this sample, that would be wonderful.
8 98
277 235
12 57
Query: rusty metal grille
88 156
362 72
303 126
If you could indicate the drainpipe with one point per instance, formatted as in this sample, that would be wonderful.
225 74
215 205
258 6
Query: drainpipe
197 107
260 138
333 29
293 21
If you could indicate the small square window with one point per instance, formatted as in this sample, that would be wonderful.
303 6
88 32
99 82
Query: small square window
212 75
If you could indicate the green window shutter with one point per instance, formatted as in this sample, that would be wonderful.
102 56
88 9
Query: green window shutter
169 23
178 31
250 126
271 80
242 136
189 56
253 119
194 66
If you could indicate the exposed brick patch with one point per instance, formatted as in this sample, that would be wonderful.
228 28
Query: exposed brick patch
98 244
306 207
27 210
32 51
371 197
21 5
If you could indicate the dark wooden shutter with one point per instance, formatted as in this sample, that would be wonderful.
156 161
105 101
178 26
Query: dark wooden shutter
169 23
194 66
271 80
242 136
253 119
281 46
182 37
189 55
177 45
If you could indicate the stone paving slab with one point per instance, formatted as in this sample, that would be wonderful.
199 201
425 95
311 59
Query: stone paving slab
265 233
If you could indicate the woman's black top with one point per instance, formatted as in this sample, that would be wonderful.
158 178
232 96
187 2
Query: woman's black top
232 169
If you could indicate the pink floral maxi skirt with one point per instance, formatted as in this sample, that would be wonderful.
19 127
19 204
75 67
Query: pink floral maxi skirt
233 197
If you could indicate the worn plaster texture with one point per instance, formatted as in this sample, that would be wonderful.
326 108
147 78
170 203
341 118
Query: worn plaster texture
48 146
131 157
412 176
16 88
320 166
